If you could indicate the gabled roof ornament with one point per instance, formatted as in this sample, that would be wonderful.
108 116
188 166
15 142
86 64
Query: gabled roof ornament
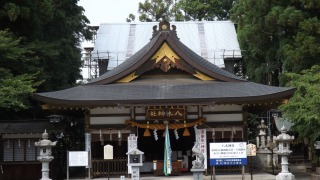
164 26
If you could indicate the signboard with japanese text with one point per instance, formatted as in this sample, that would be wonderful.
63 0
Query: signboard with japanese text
171 113
108 152
88 144
78 158
201 137
231 153
251 150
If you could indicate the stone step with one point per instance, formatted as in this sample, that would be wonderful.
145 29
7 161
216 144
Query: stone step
299 168
296 157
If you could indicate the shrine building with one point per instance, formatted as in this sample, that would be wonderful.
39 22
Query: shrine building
165 80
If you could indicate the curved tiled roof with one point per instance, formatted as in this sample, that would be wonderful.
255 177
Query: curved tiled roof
122 68
165 89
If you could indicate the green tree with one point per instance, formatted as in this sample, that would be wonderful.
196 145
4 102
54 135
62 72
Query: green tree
131 18
210 10
16 87
156 10
53 31
277 36
304 107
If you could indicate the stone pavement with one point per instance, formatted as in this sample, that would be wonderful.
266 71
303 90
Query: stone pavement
188 176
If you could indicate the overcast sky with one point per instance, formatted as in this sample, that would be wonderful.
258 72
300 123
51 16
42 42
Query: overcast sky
105 11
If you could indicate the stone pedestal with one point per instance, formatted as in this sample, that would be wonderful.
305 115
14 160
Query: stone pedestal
135 174
197 173
285 174
317 175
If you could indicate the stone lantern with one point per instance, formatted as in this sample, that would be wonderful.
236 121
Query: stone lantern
135 160
284 151
262 135
45 154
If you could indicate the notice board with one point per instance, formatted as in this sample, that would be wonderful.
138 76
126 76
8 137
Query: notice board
230 153
78 158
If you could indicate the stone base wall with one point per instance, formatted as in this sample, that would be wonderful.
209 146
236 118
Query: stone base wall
264 160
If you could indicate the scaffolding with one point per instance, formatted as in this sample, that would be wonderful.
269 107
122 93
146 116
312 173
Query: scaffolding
91 59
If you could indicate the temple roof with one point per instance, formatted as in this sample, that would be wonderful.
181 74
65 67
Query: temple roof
30 126
145 54
166 90
206 82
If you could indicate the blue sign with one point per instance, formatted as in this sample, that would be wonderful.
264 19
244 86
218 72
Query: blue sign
229 161
231 153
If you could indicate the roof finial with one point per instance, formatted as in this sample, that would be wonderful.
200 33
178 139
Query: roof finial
164 18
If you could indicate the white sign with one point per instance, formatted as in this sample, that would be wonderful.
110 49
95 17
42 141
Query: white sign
78 158
251 150
87 143
108 152
132 142
231 153
201 137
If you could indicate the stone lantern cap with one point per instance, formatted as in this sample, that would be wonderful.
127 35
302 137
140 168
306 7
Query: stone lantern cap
262 125
284 136
45 142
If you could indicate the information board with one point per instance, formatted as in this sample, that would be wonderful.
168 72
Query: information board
108 152
78 158
231 153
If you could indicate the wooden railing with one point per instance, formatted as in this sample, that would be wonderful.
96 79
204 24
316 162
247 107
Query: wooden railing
118 166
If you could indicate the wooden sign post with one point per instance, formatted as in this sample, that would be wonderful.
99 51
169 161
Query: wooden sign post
108 154
251 151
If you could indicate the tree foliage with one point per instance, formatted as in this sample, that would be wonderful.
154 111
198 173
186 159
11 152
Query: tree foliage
156 10
209 10
304 107
16 86
51 32
277 36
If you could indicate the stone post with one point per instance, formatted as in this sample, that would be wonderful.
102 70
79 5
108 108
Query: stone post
274 141
257 139
45 154
284 151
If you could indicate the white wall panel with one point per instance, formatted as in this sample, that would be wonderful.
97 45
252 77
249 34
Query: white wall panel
109 111
109 120
223 117
192 109
140 110
141 118
223 108
192 116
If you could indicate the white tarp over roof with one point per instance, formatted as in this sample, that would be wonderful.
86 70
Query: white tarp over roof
213 41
